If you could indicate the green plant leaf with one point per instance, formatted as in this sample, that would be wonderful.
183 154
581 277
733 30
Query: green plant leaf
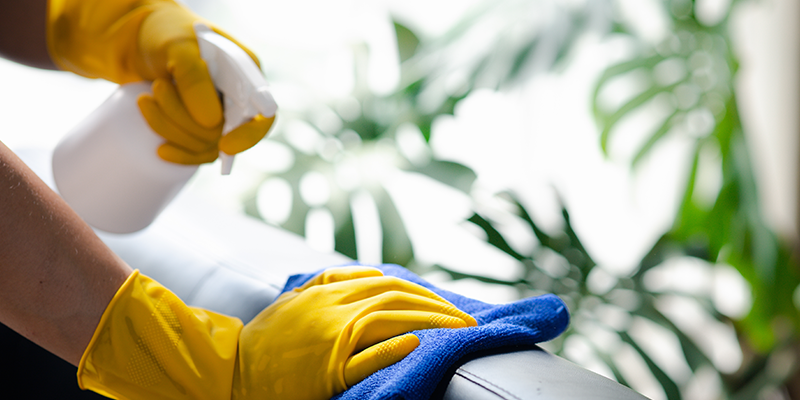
345 236
450 173
407 41
671 389
494 237
610 121
455 275
617 70
396 247
662 131
695 357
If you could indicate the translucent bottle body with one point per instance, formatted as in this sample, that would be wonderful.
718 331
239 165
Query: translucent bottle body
107 168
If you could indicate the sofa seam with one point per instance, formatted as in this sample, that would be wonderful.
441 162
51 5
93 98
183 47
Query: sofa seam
486 384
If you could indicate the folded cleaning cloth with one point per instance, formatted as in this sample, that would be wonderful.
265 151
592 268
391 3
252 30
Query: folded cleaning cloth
521 323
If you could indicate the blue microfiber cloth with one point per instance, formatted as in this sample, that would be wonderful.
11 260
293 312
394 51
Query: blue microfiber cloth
521 323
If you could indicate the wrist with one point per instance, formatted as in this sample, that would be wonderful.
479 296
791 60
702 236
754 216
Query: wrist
149 344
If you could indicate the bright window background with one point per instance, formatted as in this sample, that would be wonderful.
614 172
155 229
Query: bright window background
538 139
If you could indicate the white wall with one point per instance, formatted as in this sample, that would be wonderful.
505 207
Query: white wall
768 38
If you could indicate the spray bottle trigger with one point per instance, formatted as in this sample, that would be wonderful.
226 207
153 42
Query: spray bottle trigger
238 78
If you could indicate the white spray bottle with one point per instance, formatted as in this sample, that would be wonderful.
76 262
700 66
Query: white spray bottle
107 168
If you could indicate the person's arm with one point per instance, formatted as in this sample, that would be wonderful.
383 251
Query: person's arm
57 276
23 32
130 337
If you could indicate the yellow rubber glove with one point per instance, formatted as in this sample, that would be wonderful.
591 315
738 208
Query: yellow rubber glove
150 345
319 339
127 41
187 141
307 345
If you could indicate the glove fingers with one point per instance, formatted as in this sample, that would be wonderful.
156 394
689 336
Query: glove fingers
176 154
378 357
164 127
375 286
340 274
381 325
169 101
246 135
400 301
194 83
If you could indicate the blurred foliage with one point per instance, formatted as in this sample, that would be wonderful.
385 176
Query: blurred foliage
614 314
688 78
691 75
435 76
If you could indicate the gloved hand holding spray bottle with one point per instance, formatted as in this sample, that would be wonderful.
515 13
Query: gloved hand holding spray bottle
108 168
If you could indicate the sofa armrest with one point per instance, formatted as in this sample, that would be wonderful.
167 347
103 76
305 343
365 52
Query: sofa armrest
531 374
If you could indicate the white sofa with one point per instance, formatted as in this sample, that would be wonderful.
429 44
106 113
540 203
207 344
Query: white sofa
236 265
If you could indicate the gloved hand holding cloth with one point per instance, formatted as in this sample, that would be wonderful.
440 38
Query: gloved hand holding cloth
126 41
313 342
518 325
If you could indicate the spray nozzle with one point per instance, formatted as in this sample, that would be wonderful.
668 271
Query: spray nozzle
244 91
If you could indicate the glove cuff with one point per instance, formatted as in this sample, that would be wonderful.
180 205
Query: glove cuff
149 344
